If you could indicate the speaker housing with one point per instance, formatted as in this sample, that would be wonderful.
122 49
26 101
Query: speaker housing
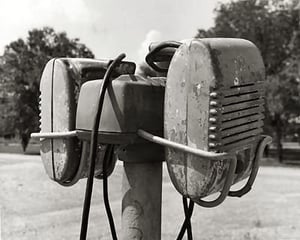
214 101
66 158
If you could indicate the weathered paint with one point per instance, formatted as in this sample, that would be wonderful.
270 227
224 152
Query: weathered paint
60 156
141 202
208 80
45 117
58 102
131 103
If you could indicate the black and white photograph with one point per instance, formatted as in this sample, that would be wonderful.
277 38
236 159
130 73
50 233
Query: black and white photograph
150 120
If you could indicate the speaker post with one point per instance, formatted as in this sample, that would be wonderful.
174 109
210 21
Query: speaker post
141 197
207 114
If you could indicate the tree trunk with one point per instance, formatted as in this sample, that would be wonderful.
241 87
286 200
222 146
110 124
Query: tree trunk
24 141
279 137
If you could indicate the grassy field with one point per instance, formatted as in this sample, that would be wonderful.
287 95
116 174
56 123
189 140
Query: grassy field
33 207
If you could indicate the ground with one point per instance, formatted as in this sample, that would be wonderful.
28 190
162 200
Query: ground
33 207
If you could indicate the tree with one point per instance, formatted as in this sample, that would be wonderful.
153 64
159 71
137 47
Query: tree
273 26
22 65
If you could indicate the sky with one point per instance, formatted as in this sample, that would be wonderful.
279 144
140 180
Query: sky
108 27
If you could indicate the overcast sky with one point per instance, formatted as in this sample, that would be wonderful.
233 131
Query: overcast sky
108 27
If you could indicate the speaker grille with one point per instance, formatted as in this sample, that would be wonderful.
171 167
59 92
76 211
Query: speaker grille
236 116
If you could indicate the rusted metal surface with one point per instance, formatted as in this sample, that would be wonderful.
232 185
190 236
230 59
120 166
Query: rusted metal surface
214 102
131 102
141 202
62 157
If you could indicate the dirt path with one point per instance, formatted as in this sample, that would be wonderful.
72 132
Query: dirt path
33 207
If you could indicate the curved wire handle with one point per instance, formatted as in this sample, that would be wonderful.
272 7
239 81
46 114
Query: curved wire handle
52 135
255 165
167 143
149 58
225 189
216 156
204 154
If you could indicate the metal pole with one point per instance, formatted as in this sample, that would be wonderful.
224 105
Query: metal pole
141 202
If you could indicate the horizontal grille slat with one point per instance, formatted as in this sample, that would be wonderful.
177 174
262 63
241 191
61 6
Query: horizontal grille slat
242 89
243 85
239 94
240 98
241 128
236 116
242 105
242 113
241 121
237 144
240 136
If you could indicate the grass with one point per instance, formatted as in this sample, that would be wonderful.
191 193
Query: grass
33 207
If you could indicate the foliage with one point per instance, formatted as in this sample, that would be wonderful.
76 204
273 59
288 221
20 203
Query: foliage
22 65
273 26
